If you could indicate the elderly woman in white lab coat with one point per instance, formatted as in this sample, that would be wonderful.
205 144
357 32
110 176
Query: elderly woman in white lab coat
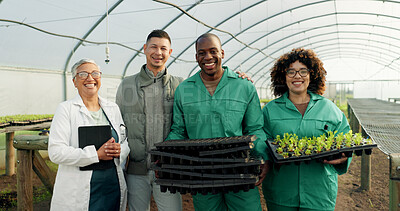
76 189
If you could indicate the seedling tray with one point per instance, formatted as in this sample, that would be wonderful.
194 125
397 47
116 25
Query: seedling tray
179 174
172 158
324 155
206 186
207 142
206 165
235 170
213 167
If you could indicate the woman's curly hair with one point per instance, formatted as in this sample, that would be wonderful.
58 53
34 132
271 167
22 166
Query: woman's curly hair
306 56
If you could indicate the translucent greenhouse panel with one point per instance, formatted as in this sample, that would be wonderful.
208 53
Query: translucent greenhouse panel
29 92
377 89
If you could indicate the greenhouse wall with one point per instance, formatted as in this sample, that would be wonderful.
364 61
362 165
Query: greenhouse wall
28 91
377 89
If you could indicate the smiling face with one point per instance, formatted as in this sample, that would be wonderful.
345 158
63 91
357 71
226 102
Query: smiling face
209 56
87 87
157 51
298 85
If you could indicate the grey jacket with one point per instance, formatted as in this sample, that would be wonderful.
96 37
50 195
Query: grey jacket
133 100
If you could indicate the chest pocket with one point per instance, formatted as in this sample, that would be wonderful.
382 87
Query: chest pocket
322 127
234 116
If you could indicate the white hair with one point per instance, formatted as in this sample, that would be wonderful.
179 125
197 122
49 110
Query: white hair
81 62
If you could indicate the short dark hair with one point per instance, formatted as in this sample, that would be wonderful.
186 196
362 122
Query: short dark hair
306 56
158 33
207 35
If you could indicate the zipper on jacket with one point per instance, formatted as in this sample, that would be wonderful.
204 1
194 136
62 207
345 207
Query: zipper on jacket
155 80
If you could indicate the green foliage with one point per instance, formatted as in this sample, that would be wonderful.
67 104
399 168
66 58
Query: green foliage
292 145
24 117
41 194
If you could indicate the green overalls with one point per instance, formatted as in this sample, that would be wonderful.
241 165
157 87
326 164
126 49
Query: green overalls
314 185
233 110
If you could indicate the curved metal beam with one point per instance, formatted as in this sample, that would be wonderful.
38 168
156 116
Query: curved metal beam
306 19
303 20
220 23
362 52
354 55
357 44
263 67
380 61
266 19
163 28
396 29
317 35
367 57
80 43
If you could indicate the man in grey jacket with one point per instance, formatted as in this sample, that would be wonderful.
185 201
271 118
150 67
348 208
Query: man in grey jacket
146 100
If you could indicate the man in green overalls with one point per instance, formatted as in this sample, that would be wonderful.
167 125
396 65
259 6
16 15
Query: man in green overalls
216 103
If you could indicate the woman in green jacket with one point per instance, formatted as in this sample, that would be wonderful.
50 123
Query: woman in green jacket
298 79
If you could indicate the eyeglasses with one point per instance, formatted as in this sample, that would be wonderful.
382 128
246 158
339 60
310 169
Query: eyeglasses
303 72
84 75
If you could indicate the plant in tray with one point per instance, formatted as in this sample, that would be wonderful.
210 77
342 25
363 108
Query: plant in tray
358 139
339 140
302 143
308 152
297 152
285 155
291 145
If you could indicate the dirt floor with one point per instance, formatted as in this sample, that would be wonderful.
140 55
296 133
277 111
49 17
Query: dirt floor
350 197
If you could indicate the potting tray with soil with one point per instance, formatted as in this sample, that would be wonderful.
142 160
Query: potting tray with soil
292 149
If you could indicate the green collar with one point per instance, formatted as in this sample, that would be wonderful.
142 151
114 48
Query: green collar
285 97
228 74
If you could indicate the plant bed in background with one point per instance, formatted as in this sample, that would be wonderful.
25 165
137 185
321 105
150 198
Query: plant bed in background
292 149
21 120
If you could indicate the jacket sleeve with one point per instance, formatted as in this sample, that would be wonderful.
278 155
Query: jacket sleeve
59 148
344 127
253 125
178 128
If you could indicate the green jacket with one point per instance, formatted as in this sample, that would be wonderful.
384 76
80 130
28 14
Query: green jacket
132 103
311 185
233 110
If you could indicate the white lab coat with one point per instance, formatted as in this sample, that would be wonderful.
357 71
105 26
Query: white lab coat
72 186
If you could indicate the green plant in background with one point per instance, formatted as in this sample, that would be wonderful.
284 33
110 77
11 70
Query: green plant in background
41 194
24 117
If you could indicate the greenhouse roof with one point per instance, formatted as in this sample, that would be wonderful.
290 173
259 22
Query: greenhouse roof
356 39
